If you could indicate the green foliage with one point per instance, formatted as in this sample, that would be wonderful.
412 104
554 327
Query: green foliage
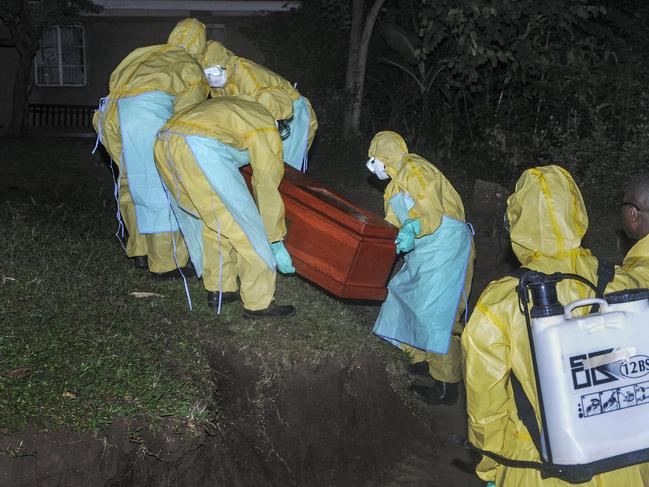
594 156
475 65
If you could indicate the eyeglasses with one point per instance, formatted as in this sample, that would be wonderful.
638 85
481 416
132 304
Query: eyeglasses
628 203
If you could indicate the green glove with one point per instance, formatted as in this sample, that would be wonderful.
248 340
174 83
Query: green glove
284 262
490 484
406 237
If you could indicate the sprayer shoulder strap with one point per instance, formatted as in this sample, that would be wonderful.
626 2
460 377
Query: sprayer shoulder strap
524 408
525 411
605 274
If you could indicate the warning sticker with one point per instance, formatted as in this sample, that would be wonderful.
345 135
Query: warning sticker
613 399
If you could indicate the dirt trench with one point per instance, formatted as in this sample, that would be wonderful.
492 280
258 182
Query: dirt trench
335 423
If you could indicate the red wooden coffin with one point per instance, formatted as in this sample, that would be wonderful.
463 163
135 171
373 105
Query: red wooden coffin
337 245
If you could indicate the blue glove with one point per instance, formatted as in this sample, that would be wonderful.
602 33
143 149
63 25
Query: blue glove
490 484
406 237
284 262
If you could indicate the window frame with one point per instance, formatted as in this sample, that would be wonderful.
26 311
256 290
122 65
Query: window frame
60 60
220 26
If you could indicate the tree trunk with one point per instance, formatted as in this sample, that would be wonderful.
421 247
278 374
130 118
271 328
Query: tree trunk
352 65
356 69
19 103
354 44
26 37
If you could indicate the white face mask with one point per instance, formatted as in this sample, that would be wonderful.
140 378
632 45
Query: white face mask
377 168
216 76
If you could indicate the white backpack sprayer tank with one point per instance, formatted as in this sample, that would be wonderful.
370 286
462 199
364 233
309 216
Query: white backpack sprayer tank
593 373
592 377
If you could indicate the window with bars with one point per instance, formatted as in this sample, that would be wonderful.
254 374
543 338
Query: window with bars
60 60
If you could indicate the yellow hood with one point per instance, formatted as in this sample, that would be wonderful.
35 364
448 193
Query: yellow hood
190 35
546 214
216 54
389 148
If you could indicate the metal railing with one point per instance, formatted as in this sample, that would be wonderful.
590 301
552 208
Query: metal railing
60 116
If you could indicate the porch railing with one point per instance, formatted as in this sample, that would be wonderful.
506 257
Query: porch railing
77 118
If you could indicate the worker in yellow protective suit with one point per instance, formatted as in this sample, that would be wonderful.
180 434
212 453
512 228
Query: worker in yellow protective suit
245 77
146 88
635 219
199 153
428 296
547 220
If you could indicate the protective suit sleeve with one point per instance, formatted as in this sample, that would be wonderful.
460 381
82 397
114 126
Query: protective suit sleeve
634 273
635 266
486 374
427 193
195 93
391 217
265 150
428 208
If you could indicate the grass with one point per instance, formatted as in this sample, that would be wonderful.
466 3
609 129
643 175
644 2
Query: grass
90 352
78 350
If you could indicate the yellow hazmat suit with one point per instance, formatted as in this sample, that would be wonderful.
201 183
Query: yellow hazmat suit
244 124
170 68
434 198
246 77
636 262
548 220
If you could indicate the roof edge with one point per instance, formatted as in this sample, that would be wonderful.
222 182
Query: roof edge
162 7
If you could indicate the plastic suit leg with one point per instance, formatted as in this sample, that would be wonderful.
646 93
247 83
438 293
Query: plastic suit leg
111 139
257 280
158 247
136 244
182 174
448 367
161 248
445 368
219 271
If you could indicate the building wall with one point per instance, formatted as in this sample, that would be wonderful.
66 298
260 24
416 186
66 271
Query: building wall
107 41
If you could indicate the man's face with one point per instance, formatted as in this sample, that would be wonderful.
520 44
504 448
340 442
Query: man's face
630 217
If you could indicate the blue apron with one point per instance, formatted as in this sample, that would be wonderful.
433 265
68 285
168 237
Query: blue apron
295 146
191 226
220 164
140 118
423 297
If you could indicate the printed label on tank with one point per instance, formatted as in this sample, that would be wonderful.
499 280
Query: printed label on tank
636 366
604 366
596 376
613 400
